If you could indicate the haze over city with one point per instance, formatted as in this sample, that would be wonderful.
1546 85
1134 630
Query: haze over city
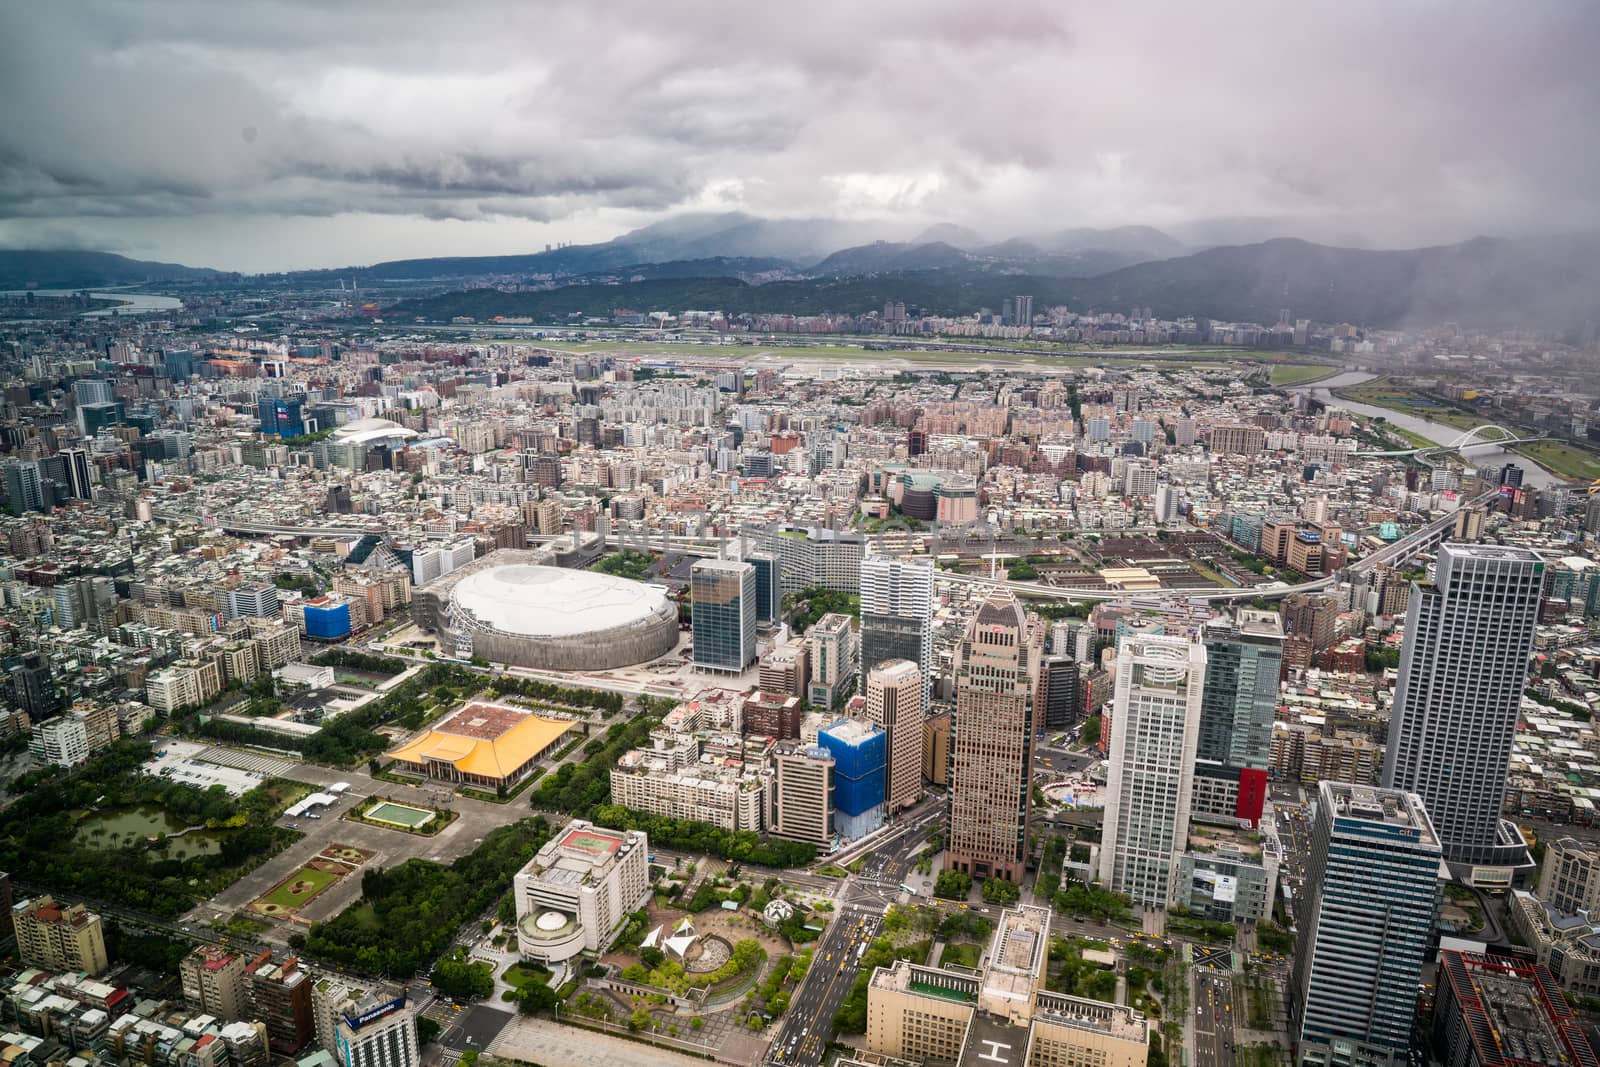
289 136
839 535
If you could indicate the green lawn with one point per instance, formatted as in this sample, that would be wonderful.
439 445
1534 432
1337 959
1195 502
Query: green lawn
1393 394
518 976
311 881
962 955
1299 373
1260 999
1259 1055
1562 459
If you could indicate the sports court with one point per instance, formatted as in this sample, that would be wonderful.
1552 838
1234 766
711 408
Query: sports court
591 842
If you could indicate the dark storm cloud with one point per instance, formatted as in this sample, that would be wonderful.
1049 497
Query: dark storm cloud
166 122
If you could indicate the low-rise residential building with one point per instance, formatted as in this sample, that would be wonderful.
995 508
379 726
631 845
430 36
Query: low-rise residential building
670 780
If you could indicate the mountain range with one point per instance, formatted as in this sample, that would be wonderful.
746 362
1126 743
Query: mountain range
742 263
74 269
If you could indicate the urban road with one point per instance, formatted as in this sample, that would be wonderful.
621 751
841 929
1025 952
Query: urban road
1213 1021
804 1037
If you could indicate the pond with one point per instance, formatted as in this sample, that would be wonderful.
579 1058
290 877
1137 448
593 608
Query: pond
129 826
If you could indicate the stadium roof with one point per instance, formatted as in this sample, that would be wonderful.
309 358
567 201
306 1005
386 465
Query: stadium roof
555 602
365 431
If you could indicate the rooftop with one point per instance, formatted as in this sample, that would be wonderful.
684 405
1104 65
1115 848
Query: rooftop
906 976
1083 1014
1386 807
485 739
363 431
1514 1011
580 853
993 1042
852 731
533 601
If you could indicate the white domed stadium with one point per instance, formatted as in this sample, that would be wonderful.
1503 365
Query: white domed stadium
551 618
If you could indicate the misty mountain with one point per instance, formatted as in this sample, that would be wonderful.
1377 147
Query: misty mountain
1483 282
695 236
835 247
743 267
884 256
72 270
949 233
1140 242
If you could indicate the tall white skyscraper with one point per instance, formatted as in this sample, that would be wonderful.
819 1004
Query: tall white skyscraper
897 615
1155 728
1463 668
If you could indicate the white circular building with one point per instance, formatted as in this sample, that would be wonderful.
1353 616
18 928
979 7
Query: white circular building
551 618
372 432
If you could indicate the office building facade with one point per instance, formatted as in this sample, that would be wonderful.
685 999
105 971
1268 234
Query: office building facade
897 615
1369 907
365 1026
832 650
800 799
1060 697
282 416
1238 705
1155 726
895 704
769 588
860 756
991 744
724 614
1463 667
578 890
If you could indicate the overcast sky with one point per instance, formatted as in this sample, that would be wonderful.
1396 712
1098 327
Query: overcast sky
267 136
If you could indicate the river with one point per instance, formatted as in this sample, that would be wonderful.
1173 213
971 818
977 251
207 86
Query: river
131 303
1479 455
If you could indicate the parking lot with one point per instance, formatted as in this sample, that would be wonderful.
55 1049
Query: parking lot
388 846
